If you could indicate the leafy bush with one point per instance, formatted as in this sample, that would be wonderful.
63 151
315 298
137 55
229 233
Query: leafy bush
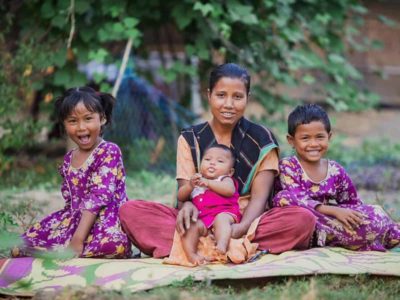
285 43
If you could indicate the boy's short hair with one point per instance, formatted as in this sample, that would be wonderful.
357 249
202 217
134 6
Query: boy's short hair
305 114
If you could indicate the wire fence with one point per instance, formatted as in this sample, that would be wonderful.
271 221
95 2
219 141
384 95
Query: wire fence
146 125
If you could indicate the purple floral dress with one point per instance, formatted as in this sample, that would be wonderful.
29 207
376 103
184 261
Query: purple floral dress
97 186
378 231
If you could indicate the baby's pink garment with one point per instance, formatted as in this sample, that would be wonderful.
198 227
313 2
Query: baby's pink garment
210 204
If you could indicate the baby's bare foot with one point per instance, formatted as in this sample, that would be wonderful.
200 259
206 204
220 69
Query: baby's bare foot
197 259
221 255
221 249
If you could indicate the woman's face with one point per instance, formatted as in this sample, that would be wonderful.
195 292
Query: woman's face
228 100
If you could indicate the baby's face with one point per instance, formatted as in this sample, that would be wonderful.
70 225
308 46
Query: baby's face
216 162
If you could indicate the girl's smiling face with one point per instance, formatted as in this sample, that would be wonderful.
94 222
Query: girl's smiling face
311 141
228 100
83 127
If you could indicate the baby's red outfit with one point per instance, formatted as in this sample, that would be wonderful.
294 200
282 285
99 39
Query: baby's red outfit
210 204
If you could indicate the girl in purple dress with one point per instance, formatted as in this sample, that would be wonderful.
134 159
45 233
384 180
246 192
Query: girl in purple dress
215 194
323 186
93 185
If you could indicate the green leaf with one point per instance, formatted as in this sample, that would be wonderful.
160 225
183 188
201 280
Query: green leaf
308 79
98 54
388 22
182 16
133 33
47 10
77 79
377 45
59 21
62 77
117 27
38 85
242 13
81 6
130 22
87 33
205 9
106 87
336 58
360 9
60 57
98 77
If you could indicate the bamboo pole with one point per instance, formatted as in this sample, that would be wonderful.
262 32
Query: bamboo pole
124 63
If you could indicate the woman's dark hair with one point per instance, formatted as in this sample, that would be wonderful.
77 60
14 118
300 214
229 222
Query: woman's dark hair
101 103
223 147
230 70
305 114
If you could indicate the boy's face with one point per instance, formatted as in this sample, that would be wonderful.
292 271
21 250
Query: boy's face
310 141
216 162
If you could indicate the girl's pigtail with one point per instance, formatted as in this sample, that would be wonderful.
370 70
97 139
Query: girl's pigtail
107 101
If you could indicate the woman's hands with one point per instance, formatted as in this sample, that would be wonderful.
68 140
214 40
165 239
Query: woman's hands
186 215
238 230
351 219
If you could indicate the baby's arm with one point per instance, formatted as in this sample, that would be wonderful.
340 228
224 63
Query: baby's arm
225 187
186 189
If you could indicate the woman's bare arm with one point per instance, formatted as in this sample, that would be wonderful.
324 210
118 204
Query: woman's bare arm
260 191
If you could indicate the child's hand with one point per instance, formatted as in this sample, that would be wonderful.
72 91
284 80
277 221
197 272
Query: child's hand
76 246
351 219
203 182
194 180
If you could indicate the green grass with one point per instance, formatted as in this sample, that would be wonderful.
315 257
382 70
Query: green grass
150 186
303 287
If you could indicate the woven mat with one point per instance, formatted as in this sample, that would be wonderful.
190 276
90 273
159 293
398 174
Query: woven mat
25 276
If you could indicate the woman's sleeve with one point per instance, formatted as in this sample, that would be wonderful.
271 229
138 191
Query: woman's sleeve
104 179
346 190
184 161
270 162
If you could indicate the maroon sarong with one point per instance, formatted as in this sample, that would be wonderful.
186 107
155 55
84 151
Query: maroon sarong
150 226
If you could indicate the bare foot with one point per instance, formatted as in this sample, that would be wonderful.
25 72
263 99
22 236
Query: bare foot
221 248
197 259
19 252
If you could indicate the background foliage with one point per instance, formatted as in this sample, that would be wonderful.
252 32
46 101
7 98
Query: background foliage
284 42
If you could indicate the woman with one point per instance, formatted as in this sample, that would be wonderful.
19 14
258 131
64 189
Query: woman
151 226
